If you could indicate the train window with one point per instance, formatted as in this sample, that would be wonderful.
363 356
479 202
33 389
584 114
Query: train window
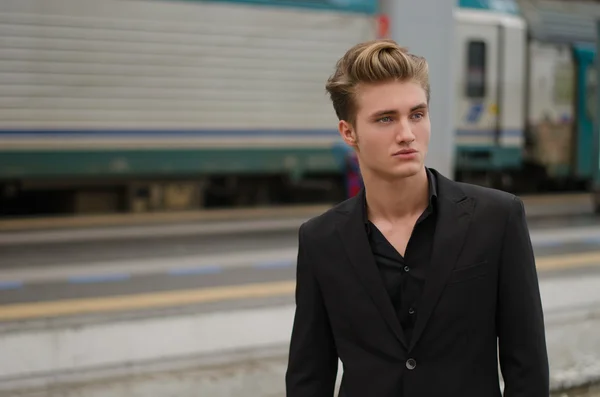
476 57
563 84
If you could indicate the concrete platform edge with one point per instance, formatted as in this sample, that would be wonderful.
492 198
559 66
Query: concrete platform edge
212 365
215 355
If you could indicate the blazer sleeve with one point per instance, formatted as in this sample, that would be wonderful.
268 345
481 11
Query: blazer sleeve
313 361
520 319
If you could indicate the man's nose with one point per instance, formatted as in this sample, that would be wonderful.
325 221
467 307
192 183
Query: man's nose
404 132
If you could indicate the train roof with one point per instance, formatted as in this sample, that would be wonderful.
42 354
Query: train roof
498 6
554 21
585 51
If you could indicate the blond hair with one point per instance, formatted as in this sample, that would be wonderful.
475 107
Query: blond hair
373 62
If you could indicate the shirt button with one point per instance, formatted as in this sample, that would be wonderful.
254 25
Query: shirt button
411 311
411 363
406 268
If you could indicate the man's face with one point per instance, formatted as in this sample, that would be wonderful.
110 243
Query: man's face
392 128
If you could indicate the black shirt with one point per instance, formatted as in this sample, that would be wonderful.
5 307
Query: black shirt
404 277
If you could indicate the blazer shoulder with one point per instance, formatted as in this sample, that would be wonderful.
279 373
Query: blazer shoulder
323 225
489 199
483 196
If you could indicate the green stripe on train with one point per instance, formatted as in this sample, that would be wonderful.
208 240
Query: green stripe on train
163 162
110 163
488 158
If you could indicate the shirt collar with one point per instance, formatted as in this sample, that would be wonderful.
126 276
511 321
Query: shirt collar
432 195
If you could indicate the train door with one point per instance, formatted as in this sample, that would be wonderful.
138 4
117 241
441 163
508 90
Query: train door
585 106
477 73
550 109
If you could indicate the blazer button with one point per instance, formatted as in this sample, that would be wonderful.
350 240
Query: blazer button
411 363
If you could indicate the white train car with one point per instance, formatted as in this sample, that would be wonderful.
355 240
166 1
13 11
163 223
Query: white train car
526 93
562 89
490 67
157 104
102 99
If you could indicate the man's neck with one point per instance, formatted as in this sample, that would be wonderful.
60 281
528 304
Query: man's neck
397 200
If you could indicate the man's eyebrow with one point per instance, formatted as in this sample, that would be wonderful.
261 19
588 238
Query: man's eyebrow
419 106
393 111
384 113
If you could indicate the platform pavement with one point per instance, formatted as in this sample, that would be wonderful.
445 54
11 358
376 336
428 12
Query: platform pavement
537 205
224 351
204 223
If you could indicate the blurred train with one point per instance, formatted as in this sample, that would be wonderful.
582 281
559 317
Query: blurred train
526 94
143 105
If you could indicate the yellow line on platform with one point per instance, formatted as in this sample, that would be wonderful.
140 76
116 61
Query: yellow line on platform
568 261
24 311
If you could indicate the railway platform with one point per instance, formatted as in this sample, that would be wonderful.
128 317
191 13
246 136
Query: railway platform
210 314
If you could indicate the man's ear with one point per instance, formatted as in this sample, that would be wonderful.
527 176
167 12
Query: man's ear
348 133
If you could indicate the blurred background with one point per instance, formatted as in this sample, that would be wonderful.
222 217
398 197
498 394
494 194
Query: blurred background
158 156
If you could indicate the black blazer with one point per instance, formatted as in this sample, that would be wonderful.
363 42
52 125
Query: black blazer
481 303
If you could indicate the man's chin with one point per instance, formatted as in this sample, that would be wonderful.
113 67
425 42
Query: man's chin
401 172
408 170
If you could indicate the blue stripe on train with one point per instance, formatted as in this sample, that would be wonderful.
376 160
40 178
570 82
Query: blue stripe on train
24 133
150 132
489 133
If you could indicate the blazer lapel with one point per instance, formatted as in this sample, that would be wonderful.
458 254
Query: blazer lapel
454 216
355 241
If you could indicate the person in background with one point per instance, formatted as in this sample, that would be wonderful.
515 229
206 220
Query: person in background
419 284
352 177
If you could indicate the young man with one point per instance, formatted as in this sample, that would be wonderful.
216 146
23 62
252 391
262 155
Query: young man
418 283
